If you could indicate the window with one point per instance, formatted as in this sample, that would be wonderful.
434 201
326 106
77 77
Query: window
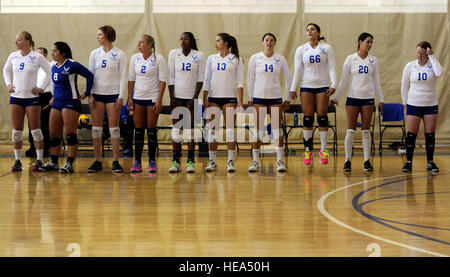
376 6
72 6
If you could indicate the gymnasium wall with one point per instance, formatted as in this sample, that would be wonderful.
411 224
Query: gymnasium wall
395 38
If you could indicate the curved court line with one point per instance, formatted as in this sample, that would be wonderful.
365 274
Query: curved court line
321 207
399 222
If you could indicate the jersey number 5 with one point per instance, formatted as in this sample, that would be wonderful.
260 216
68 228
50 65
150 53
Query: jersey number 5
103 63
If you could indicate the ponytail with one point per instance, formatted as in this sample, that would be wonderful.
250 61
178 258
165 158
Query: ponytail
28 37
232 44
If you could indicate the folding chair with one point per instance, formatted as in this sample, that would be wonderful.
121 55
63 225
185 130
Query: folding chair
392 112
294 108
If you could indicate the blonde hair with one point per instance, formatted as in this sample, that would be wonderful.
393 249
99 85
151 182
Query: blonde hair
27 36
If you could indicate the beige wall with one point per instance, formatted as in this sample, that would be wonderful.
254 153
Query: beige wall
395 37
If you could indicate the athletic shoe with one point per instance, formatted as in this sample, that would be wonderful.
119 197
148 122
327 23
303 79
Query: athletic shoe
176 167
281 167
116 167
254 167
347 166
212 166
38 166
431 166
66 168
137 167
152 167
17 166
50 167
128 153
308 157
95 167
324 156
190 167
367 166
407 167
230 166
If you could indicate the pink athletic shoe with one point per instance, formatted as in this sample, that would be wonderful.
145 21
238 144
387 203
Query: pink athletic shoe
308 157
152 167
324 156
136 167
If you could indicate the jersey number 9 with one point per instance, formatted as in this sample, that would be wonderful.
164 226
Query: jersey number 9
21 66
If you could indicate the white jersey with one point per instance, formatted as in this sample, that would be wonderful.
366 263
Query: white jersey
223 76
110 71
314 67
25 71
147 75
42 78
421 82
364 78
263 78
185 72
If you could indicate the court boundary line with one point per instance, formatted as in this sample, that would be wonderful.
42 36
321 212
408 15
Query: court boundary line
324 212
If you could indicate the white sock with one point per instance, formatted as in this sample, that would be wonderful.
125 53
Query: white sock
255 153
367 143
18 154
40 154
307 134
279 153
212 155
323 140
349 143
231 155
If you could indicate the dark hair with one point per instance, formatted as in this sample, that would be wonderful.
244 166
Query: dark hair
109 32
363 37
424 44
64 49
317 28
192 39
27 36
43 50
232 43
269 34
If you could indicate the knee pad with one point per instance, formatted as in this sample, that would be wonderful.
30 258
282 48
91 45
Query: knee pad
97 132
308 121
189 134
211 136
230 134
411 140
152 134
175 133
55 142
323 120
350 133
139 134
37 134
115 132
366 133
72 139
17 135
429 139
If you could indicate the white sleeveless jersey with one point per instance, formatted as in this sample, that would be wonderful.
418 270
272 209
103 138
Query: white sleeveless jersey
418 82
185 72
263 77
314 67
147 75
25 70
223 76
364 78
110 71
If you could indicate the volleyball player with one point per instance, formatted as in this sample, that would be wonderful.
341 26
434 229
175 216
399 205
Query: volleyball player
362 70
109 66
25 64
186 73
147 78
66 105
223 90
421 100
264 92
314 67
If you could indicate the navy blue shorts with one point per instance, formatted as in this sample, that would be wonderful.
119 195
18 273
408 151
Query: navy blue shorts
72 104
182 100
360 102
314 90
107 99
25 102
144 103
421 111
222 101
267 102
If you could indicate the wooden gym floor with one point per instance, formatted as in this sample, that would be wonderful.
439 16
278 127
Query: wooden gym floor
308 211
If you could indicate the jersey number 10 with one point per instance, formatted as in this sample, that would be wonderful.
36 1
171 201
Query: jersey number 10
423 75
